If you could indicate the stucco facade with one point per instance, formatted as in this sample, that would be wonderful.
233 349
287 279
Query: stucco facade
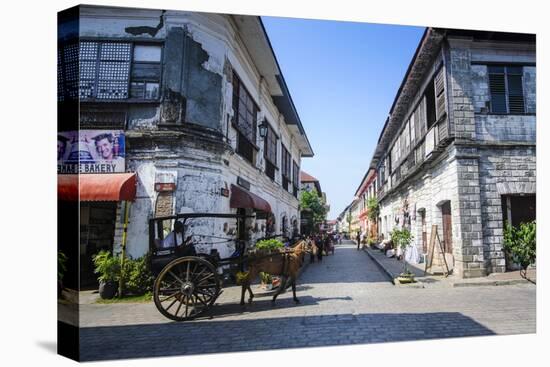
188 136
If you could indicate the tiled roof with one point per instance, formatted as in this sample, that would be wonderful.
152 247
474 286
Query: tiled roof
306 177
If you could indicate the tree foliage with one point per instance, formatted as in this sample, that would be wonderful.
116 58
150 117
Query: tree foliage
521 244
373 208
310 200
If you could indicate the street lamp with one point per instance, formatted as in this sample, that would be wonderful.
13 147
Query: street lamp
263 129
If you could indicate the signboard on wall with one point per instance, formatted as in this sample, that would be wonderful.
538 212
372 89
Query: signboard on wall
91 151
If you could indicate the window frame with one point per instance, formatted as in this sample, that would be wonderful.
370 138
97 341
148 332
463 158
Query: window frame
506 94
271 132
133 43
236 102
295 178
286 165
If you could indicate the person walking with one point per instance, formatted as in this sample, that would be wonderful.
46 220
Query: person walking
320 246
358 238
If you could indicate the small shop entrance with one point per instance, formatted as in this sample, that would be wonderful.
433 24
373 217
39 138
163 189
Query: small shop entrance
97 230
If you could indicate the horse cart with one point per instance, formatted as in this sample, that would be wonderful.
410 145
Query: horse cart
188 282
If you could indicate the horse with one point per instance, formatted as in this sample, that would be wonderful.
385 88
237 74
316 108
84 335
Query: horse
286 263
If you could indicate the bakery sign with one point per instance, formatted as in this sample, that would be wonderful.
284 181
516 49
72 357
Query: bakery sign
91 151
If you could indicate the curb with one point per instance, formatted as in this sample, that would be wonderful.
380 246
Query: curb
492 283
393 278
458 284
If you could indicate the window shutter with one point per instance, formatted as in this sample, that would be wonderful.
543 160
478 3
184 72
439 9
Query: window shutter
497 86
515 93
440 107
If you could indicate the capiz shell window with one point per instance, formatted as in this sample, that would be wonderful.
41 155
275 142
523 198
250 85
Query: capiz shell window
119 70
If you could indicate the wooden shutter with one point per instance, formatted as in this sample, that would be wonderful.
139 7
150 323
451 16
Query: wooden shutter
497 87
439 84
515 90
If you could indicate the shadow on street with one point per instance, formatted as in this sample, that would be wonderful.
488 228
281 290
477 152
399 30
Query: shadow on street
170 339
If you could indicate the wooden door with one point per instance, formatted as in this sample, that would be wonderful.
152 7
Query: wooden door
424 232
447 227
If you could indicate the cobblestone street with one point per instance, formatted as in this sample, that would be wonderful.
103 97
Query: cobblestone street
346 299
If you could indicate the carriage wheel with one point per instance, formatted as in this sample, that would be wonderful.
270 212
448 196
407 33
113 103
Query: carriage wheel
186 288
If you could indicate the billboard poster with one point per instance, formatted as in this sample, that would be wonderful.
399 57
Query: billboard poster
90 151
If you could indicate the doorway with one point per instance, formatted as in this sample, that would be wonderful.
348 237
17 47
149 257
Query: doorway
447 227
97 231
422 213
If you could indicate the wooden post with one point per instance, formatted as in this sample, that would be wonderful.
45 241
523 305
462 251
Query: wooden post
123 246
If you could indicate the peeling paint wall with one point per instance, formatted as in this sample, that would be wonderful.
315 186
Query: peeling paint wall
187 131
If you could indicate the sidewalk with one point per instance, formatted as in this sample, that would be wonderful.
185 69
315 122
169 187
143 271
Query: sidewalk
392 268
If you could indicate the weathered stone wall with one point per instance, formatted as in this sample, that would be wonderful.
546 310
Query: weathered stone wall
459 92
506 171
491 127
426 191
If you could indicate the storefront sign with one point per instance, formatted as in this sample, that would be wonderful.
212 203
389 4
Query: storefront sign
243 183
165 187
91 151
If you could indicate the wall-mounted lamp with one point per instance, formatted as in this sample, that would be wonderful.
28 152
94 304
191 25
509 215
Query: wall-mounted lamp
263 129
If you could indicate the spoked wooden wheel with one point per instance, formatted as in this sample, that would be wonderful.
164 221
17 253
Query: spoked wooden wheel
186 288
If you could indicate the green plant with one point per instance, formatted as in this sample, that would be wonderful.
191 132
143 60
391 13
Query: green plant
402 238
373 208
371 241
270 244
311 201
137 276
521 244
107 266
266 278
61 265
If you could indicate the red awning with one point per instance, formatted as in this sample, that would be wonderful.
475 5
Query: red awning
241 198
97 187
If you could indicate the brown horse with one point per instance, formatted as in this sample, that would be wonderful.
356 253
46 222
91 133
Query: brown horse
286 263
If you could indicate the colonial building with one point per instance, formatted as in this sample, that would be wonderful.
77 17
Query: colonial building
199 116
365 192
458 148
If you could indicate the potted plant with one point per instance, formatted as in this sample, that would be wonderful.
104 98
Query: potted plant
269 245
108 268
266 281
520 243
402 238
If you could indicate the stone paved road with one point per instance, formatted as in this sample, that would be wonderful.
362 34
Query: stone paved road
344 300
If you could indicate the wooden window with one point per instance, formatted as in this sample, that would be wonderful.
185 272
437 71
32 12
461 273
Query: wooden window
506 88
420 119
270 148
295 178
108 70
245 111
270 152
429 96
439 84
286 167
244 148
145 75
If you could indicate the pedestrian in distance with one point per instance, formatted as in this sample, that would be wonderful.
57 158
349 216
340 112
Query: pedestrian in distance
320 246
358 238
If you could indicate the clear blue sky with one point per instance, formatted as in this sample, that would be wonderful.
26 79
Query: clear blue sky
343 77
